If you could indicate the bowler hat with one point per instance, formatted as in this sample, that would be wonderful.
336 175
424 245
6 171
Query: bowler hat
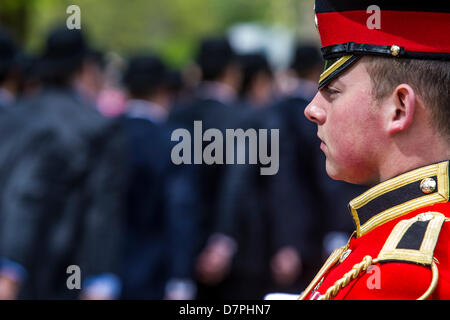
8 51
144 73
64 52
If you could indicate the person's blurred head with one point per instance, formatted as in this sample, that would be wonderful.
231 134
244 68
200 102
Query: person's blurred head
307 62
147 78
9 53
257 81
63 56
218 62
30 83
90 78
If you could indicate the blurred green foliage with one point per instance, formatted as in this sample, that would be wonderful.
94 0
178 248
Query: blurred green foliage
14 14
171 28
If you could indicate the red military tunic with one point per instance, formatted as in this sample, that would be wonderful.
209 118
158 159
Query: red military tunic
402 225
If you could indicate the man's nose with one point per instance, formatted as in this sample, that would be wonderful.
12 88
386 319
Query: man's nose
314 113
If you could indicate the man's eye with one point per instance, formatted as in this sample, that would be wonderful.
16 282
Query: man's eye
330 90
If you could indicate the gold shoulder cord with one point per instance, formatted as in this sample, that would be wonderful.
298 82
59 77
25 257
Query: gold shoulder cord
434 282
331 261
362 267
349 276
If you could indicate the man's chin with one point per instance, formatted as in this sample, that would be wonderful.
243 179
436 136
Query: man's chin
332 172
336 173
349 176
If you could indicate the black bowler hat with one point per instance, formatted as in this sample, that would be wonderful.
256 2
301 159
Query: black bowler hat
145 73
214 55
8 51
398 29
63 53
306 56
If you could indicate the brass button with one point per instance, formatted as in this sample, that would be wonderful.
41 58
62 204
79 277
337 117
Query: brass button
428 185
395 50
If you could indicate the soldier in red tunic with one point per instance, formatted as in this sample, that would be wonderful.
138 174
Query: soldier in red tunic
383 116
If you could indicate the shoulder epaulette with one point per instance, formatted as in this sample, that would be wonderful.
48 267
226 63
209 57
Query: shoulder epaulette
413 240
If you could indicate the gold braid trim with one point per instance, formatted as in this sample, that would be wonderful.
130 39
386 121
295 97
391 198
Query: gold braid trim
434 282
349 276
363 266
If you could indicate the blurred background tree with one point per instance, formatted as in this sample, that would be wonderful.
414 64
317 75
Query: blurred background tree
15 15
172 28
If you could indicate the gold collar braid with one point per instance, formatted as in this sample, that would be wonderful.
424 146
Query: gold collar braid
376 207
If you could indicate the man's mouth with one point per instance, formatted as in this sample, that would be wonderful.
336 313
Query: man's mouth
318 136
322 143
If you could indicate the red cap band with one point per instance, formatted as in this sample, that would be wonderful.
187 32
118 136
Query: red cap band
415 31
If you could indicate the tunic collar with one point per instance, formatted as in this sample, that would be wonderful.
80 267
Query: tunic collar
400 195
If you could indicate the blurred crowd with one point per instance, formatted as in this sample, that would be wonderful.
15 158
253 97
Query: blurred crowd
87 178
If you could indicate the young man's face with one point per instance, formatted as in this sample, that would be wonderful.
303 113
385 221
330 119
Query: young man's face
349 126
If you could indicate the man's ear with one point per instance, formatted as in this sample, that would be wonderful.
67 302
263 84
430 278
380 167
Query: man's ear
401 108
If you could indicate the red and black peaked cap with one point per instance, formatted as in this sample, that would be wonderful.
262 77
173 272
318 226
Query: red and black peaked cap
399 29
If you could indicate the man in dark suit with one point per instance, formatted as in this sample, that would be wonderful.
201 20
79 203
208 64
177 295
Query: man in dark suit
160 219
61 191
258 82
242 211
243 215
214 105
